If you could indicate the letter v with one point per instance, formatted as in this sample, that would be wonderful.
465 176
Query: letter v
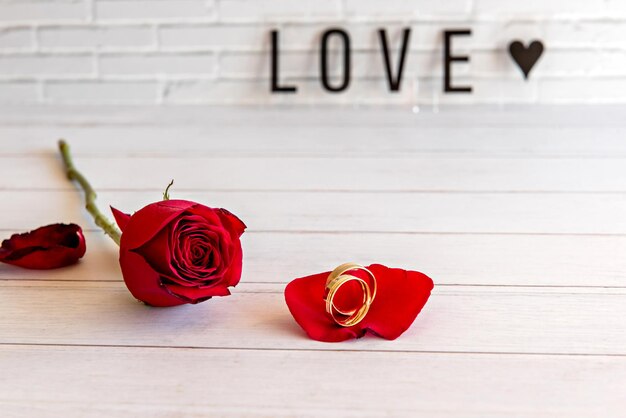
394 82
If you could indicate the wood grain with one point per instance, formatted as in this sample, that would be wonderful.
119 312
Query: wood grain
152 382
498 213
416 174
353 139
494 320
450 259
217 118
516 213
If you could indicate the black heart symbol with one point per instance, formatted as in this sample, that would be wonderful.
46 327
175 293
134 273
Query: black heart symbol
526 58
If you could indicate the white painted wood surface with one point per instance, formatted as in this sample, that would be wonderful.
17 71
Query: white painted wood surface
517 214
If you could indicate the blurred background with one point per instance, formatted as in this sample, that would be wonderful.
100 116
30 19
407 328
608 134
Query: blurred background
218 51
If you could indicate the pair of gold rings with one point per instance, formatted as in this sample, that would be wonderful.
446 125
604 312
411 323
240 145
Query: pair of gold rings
337 278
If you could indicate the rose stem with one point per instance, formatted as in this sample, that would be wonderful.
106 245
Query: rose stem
90 195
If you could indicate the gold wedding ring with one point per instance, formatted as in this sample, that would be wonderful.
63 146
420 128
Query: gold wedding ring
337 278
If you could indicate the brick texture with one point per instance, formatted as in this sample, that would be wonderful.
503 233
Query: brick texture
218 51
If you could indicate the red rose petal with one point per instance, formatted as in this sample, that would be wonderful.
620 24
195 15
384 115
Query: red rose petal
231 219
157 252
197 294
146 283
305 299
349 297
233 274
233 223
121 218
400 297
48 247
148 221
236 227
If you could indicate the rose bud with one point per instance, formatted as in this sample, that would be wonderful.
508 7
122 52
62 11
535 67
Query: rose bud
174 252
48 247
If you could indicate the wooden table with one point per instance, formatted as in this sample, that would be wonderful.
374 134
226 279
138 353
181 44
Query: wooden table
518 214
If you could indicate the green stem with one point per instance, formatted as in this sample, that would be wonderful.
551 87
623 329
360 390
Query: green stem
90 195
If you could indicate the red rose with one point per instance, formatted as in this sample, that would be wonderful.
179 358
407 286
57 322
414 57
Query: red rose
400 296
48 247
176 251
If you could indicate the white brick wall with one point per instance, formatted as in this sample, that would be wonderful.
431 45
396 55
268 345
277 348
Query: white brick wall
217 51
96 37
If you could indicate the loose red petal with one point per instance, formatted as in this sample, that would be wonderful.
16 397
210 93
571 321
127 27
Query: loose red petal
305 299
400 297
48 247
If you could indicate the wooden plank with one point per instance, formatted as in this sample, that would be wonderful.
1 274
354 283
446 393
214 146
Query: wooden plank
466 259
325 174
359 211
505 201
494 320
118 382
518 116
351 140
